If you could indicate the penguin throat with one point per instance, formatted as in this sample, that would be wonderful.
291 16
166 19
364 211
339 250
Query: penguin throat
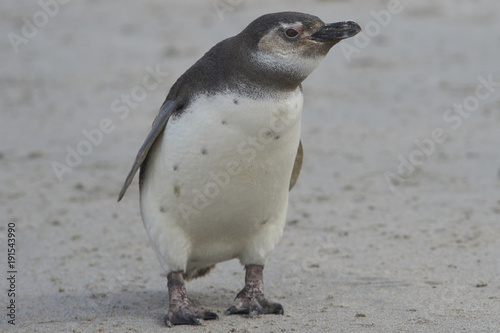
284 69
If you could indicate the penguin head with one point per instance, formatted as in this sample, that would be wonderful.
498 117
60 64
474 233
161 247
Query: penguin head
293 44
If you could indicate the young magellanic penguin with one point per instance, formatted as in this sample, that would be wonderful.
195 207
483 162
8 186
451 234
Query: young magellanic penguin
223 153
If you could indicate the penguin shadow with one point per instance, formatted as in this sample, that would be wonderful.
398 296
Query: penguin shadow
143 304
81 307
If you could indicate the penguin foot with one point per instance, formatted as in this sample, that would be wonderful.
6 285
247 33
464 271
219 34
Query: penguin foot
187 315
251 299
181 310
255 305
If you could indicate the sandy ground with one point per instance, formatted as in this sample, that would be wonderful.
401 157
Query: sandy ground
372 244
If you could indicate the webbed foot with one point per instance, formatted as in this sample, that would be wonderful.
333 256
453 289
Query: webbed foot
251 299
181 310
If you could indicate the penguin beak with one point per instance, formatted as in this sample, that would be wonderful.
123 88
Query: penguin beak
335 32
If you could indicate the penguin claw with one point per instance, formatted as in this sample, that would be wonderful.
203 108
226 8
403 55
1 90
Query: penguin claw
253 313
188 316
254 306
251 300
167 322
210 316
181 310
231 310
234 310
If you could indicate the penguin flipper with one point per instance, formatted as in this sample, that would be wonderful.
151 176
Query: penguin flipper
158 126
297 166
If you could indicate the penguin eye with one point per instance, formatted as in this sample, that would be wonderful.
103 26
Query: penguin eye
291 33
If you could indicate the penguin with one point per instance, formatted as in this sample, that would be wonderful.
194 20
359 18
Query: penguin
223 153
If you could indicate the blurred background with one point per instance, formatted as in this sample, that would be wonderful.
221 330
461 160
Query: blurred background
393 224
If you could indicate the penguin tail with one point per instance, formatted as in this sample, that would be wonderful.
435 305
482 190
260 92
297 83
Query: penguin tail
197 272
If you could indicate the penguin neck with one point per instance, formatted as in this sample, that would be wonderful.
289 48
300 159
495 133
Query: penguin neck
270 79
271 82
251 77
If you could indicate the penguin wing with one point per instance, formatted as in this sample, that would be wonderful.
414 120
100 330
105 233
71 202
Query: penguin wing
297 166
158 126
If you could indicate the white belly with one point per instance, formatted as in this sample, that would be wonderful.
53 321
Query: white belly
216 184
